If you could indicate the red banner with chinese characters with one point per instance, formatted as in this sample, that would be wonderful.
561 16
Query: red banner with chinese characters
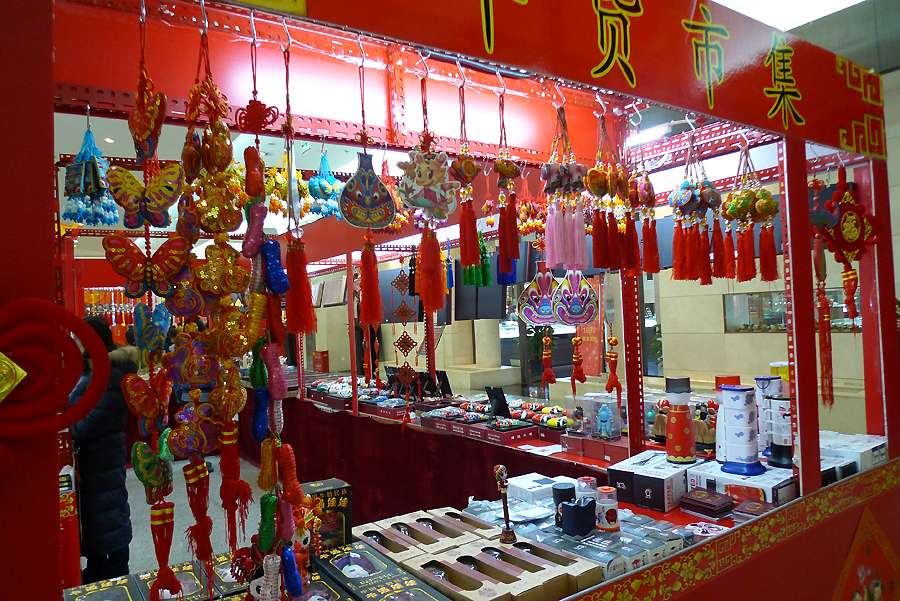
698 56
592 338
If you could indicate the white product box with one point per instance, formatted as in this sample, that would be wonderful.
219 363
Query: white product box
648 480
867 450
534 487
836 468
777 486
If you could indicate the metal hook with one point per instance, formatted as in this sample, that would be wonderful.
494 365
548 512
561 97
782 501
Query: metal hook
841 159
253 29
462 73
600 100
637 112
422 59
502 83
558 91
487 169
362 50
89 117
287 34
689 122
143 12
203 14
323 151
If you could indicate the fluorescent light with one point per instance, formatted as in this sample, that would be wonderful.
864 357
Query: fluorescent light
108 140
787 15
647 135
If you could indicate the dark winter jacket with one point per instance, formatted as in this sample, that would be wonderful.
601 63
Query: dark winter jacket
100 441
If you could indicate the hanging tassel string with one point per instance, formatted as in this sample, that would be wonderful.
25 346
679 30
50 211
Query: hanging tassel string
703 258
651 246
370 306
577 360
196 478
162 524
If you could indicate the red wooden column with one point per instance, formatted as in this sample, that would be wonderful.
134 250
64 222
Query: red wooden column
881 349
634 364
29 493
802 299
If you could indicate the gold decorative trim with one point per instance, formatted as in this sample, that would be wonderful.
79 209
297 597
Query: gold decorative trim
864 81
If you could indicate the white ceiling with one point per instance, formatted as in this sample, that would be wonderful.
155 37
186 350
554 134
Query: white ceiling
787 14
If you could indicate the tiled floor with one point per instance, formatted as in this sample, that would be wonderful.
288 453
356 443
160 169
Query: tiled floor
143 554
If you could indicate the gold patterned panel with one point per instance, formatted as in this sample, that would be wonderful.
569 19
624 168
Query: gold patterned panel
865 137
67 507
864 81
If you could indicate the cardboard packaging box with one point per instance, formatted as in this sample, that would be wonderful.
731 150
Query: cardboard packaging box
866 450
193 582
836 468
390 542
476 431
431 535
223 580
777 485
534 487
648 480
116 589
511 436
467 522
370 576
337 516
458 428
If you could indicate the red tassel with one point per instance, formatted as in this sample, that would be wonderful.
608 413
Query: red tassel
651 246
600 249
429 272
768 261
162 524
301 315
273 318
703 259
851 282
636 272
468 235
678 251
630 262
718 251
235 493
504 260
577 360
826 386
728 247
512 233
548 376
750 251
196 478
613 243
370 308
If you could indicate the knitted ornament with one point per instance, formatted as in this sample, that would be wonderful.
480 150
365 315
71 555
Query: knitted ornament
274 322
287 470
430 273
268 468
196 477
370 306
268 505
162 522
235 493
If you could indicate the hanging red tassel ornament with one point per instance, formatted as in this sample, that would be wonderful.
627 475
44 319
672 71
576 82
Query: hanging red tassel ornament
728 248
600 248
750 251
301 315
162 524
718 250
613 243
630 262
703 258
651 245
512 229
504 252
235 493
196 478
273 318
851 281
768 259
547 377
577 360
823 307
678 250
430 272
612 359
370 307
743 270
694 258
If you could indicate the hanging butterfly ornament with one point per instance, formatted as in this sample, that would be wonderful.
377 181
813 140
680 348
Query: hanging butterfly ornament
848 230
464 170
87 187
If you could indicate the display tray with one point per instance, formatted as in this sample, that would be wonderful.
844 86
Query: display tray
517 426
469 422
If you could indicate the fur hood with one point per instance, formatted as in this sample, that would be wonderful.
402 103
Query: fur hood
124 354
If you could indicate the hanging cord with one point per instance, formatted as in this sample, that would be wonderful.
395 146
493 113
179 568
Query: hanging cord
463 137
502 105
362 95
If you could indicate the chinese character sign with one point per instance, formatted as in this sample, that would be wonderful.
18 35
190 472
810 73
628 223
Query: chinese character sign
709 57
614 36
784 86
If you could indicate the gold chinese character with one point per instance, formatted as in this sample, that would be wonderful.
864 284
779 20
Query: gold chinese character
783 88
707 52
410 582
614 36
383 590
343 502
397 586
487 22
331 502
372 595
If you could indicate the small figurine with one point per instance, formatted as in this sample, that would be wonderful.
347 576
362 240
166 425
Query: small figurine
507 535
604 421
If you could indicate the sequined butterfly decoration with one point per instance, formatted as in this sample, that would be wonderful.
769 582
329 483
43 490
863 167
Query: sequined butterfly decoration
365 200
154 470
142 272
150 204
148 400
150 328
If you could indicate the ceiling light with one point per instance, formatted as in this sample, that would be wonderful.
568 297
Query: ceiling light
108 140
647 135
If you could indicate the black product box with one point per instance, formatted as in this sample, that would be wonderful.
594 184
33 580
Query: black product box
223 580
370 576
193 582
336 529
117 589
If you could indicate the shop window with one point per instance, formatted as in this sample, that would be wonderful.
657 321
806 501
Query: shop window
766 312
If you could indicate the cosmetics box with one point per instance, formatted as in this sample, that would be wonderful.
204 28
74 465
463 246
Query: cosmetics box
116 589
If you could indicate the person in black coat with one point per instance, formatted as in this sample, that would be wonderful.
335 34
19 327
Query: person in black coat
100 444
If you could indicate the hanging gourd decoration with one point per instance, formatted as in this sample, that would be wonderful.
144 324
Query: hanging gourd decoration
647 199
690 202
464 170
325 189
848 234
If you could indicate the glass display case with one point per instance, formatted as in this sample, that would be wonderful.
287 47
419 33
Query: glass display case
766 312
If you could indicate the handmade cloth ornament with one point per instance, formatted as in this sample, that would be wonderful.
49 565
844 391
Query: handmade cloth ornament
188 225
219 196
424 184
364 200
87 187
254 237
142 272
220 273
235 493
535 305
276 279
148 204
150 329
146 119
574 300
148 400
154 470
162 525
325 189
197 431
229 397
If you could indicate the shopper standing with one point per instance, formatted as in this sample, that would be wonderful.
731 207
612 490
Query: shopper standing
101 456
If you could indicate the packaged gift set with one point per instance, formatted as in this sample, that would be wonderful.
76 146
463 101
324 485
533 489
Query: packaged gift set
337 517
